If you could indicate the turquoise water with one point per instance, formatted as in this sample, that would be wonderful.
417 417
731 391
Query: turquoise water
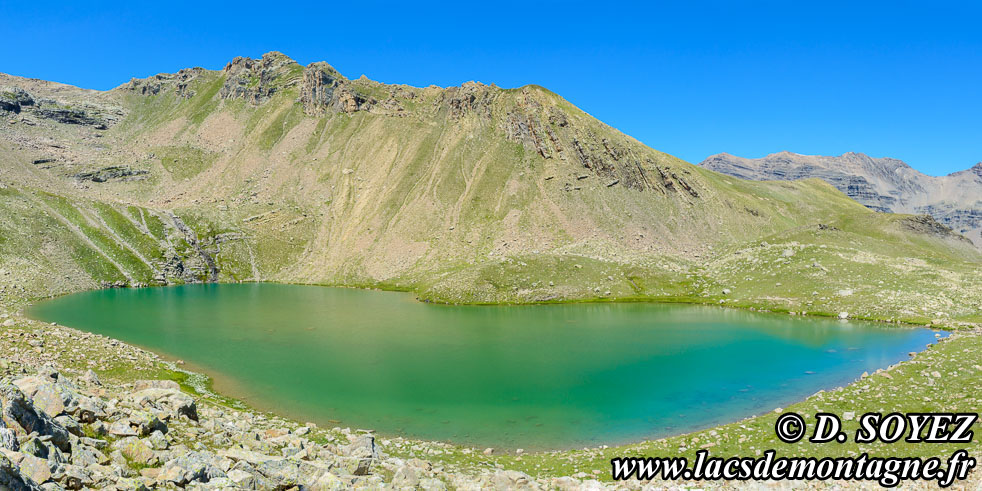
548 376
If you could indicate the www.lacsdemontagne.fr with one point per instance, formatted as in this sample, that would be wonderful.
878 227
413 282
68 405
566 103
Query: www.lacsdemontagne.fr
887 471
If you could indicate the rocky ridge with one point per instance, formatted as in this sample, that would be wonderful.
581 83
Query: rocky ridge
541 128
884 184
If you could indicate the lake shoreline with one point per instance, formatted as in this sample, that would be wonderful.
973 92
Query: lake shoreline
240 389
457 463
667 300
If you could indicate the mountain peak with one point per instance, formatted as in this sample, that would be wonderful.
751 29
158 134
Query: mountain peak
975 169
881 184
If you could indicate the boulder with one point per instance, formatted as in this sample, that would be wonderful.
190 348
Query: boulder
8 439
70 424
122 428
405 476
75 477
281 472
512 480
158 441
91 378
140 385
86 456
145 423
11 477
361 454
33 446
35 469
90 409
136 450
242 479
19 412
167 400
434 484
327 482
49 399
190 467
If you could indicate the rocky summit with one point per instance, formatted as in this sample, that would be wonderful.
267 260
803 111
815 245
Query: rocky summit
882 184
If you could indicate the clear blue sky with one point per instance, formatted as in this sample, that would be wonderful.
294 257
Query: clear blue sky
691 78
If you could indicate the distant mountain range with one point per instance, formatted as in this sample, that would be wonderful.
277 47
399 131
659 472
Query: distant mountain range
881 184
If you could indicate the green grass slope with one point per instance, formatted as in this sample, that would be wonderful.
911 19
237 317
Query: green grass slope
484 195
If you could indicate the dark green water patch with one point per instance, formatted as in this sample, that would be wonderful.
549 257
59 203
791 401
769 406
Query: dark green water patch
547 376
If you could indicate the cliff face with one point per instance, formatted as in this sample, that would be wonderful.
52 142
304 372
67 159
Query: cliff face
884 184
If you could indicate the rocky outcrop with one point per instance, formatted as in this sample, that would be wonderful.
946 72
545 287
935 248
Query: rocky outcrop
471 97
881 184
927 225
547 130
84 115
324 89
16 100
258 80
179 82
112 173
13 99
208 270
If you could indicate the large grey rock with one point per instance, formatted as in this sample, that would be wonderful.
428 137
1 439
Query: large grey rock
35 469
74 477
86 456
136 450
140 385
90 409
191 467
145 423
432 484
283 473
158 441
34 446
360 455
122 428
327 482
405 476
513 480
91 378
8 440
70 424
169 400
11 477
19 412
242 479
